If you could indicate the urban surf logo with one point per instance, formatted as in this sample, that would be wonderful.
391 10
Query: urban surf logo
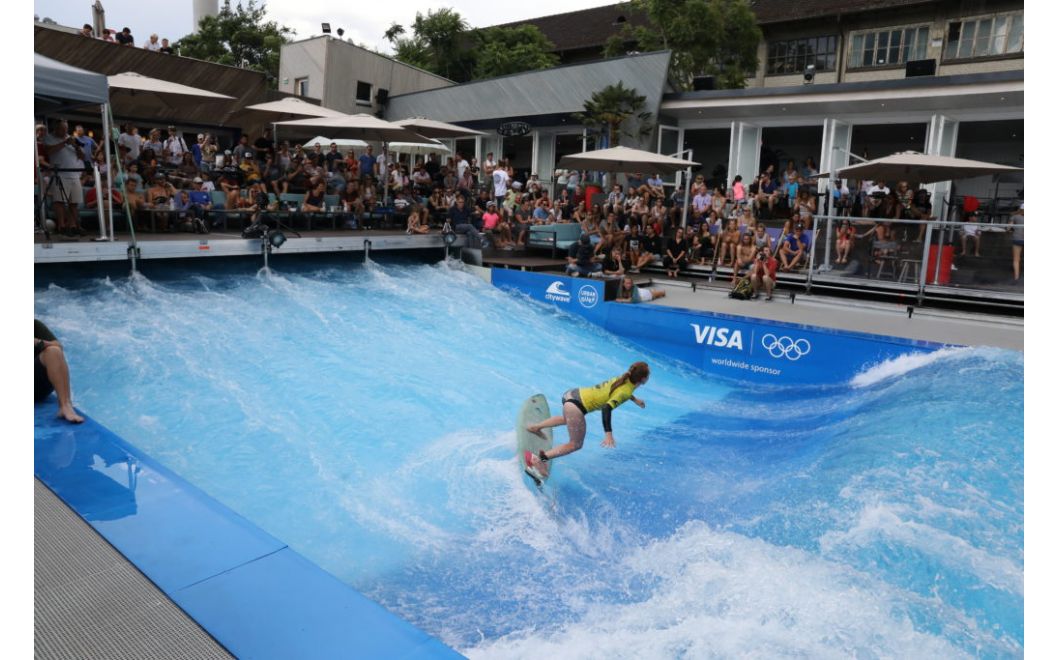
717 336
588 296
557 292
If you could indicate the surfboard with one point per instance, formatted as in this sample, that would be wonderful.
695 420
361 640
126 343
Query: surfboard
535 409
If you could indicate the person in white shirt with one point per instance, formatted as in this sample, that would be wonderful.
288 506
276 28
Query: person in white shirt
461 166
500 179
67 157
130 139
153 44
490 167
875 194
573 180
175 146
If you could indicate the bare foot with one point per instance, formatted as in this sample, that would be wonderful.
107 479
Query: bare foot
535 430
69 414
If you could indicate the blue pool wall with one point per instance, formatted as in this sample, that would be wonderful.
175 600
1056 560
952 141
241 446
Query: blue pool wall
252 593
736 347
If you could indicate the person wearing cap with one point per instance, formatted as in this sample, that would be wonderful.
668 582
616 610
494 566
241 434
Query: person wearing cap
204 185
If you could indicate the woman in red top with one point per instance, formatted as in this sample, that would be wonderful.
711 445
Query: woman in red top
846 241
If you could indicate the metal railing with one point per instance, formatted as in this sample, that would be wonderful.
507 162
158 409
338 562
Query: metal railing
914 257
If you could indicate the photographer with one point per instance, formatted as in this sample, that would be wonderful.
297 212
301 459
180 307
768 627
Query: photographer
762 274
67 158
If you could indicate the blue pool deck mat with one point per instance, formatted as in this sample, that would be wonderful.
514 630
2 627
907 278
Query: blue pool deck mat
738 347
252 593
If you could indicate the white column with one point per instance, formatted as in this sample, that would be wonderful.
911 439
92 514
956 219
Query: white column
744 155
941 138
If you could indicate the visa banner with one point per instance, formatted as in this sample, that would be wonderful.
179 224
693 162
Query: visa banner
738 347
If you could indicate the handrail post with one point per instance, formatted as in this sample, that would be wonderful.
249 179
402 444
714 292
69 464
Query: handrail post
925 263
367 250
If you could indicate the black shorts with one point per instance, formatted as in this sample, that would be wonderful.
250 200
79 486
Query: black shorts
42 387
573 396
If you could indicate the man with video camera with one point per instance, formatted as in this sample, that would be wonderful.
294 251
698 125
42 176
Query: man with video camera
67 158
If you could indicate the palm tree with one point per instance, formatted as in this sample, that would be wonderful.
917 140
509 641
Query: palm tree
612 106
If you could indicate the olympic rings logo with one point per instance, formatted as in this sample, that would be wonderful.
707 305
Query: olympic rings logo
786 347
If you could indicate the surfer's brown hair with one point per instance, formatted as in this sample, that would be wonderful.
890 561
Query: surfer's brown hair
636 373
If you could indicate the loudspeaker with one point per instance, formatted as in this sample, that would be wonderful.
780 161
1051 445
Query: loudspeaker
920 68
382 96
704 83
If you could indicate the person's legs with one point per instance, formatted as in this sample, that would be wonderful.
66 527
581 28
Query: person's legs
59 374
769 284
1017 262
575 423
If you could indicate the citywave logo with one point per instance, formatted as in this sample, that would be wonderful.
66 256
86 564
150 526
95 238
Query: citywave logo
588 296
557 293
717 336
785 347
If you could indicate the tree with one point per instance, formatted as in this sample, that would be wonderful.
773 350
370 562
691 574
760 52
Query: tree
434 44
442 43
238 37
504 50
706 37
617 110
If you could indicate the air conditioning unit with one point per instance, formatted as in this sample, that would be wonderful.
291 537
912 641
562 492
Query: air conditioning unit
920 68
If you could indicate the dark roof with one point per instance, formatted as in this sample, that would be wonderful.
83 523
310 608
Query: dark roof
590 28
784 11
586 28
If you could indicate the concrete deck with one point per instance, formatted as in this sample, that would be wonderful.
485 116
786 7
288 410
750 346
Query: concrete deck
90 602
953 327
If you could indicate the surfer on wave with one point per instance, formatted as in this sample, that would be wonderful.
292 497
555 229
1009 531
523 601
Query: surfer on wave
578 402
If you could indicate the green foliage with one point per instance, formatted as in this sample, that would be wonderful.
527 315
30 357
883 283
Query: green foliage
706 37
238 37
504 50
442 43
617 110
435 43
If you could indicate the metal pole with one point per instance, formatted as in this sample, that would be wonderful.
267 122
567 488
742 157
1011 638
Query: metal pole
266 247
99 203
826 248
811 262
687 188
121 186
940 248
925 263
110 169
367 250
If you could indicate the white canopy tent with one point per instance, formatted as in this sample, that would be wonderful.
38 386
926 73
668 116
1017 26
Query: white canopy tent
915 167
432 128
418 148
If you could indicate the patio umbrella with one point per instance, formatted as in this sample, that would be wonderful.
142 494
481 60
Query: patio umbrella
914 167
342 143
417 148
437 129
135 95
360 127
625 159
294 107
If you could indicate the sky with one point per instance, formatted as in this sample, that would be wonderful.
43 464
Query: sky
364 21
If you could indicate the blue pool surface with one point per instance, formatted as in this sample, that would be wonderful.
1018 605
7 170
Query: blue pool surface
363 415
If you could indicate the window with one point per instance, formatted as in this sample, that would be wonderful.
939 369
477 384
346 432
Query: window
985 37
792 56
363 93
301 87
888 47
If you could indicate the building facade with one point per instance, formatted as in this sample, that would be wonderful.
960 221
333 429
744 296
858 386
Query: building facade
346 77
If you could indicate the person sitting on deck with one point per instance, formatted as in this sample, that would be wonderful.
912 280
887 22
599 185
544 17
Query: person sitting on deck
52 374
584 262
